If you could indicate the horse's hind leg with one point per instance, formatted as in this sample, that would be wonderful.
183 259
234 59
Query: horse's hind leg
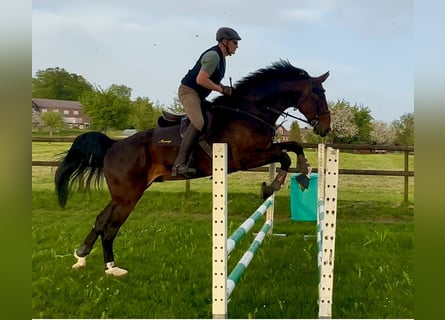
120 213
85 248
107 225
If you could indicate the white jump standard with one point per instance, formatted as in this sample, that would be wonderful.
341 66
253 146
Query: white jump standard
326 225
223 285
219 231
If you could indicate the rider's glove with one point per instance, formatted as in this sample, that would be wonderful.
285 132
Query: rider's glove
226 90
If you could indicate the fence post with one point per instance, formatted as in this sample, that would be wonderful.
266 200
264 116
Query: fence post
406 178
187 187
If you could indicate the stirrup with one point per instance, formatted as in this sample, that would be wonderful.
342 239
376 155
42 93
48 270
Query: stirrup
183 170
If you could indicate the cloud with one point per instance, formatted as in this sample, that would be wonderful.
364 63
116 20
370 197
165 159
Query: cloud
385 18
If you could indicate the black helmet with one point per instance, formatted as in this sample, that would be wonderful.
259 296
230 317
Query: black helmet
227 33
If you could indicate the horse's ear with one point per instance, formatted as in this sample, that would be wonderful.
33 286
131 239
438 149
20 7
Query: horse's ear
321 78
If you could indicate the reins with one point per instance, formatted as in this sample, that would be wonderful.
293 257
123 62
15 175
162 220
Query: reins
287 114
247 114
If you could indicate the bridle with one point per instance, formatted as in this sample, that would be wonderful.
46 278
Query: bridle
305 94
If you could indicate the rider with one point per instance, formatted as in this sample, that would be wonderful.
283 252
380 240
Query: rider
196 85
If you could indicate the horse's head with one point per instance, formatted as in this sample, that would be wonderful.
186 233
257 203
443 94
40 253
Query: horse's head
313 105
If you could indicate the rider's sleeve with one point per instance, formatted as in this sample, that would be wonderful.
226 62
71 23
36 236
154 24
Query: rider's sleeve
209 62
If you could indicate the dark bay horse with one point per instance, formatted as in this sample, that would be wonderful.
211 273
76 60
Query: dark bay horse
246 121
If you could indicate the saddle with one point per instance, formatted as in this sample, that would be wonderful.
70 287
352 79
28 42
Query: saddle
168 119
172 127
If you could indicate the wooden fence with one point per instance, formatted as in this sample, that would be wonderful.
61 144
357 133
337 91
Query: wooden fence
406 172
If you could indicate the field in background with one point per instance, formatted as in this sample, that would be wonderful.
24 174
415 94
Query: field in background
166 246
351 187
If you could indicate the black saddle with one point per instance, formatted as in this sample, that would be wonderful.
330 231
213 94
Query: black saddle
172 127
169 119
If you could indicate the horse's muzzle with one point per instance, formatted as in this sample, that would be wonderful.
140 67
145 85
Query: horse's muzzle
321 131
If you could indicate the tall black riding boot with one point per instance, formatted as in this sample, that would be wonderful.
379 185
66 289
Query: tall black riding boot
189 139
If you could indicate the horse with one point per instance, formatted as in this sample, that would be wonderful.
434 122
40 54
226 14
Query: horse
245 120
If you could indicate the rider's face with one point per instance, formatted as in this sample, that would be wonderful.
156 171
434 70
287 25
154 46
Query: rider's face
233 45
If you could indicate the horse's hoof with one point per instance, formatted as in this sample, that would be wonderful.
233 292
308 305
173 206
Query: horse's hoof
81 262
266 191
303 181
116 271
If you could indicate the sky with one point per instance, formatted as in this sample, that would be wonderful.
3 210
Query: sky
148 46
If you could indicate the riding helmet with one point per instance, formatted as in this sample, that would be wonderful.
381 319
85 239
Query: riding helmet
227 33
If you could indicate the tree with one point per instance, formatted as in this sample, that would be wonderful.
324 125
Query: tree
120 91
36 120
53 120
108 108
144 114
295 132
344 128
381 133
57 83
176 106
404 129
363 121
310 137
350 124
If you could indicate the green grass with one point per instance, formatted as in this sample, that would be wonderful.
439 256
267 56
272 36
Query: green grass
167 249
166 246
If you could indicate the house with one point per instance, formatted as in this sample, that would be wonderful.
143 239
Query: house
282 134
71 111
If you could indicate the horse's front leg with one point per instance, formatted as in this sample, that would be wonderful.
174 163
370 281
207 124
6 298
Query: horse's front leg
285 162
283 158
303 165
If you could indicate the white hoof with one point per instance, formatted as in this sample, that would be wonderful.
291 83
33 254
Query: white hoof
116 271
81 262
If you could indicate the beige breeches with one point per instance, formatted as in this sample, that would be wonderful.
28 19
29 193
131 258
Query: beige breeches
192 105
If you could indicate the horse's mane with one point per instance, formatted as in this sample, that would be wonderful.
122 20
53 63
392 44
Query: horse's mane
280 70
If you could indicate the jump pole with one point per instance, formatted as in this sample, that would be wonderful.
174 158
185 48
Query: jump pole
328 159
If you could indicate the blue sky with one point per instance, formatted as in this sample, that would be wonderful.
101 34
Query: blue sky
149 45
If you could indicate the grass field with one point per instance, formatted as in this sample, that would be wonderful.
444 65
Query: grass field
166 246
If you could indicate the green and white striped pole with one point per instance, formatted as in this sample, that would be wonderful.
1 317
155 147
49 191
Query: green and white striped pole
245 227
239 269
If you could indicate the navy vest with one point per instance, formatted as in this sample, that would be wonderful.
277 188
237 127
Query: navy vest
190 78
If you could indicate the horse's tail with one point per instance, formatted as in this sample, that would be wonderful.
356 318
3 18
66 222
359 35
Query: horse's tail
86 156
